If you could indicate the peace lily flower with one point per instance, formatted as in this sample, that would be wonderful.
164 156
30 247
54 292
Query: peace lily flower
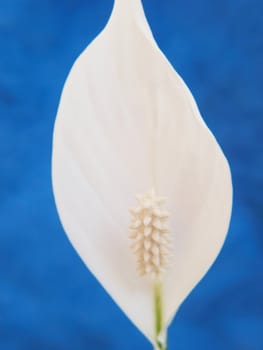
128 126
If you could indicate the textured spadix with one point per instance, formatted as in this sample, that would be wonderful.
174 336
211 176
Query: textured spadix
127 123
151 236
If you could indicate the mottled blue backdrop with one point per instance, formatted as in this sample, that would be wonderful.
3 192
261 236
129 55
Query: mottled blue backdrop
48 299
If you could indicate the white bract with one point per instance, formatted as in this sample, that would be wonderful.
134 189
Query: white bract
126 124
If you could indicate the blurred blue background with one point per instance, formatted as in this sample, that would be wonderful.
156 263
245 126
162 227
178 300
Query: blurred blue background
48 299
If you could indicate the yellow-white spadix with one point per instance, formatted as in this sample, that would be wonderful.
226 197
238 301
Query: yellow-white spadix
128 125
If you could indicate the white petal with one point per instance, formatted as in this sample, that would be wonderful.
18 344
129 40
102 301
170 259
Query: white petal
127 123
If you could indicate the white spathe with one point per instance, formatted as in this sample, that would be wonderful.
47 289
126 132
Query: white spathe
126 123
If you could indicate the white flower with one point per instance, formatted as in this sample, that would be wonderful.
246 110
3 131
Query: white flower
127 124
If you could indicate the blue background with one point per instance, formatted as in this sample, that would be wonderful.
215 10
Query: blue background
48 299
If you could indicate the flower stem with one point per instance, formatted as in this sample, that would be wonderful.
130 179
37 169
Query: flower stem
160 332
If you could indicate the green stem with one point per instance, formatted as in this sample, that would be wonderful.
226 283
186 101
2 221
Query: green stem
160 332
